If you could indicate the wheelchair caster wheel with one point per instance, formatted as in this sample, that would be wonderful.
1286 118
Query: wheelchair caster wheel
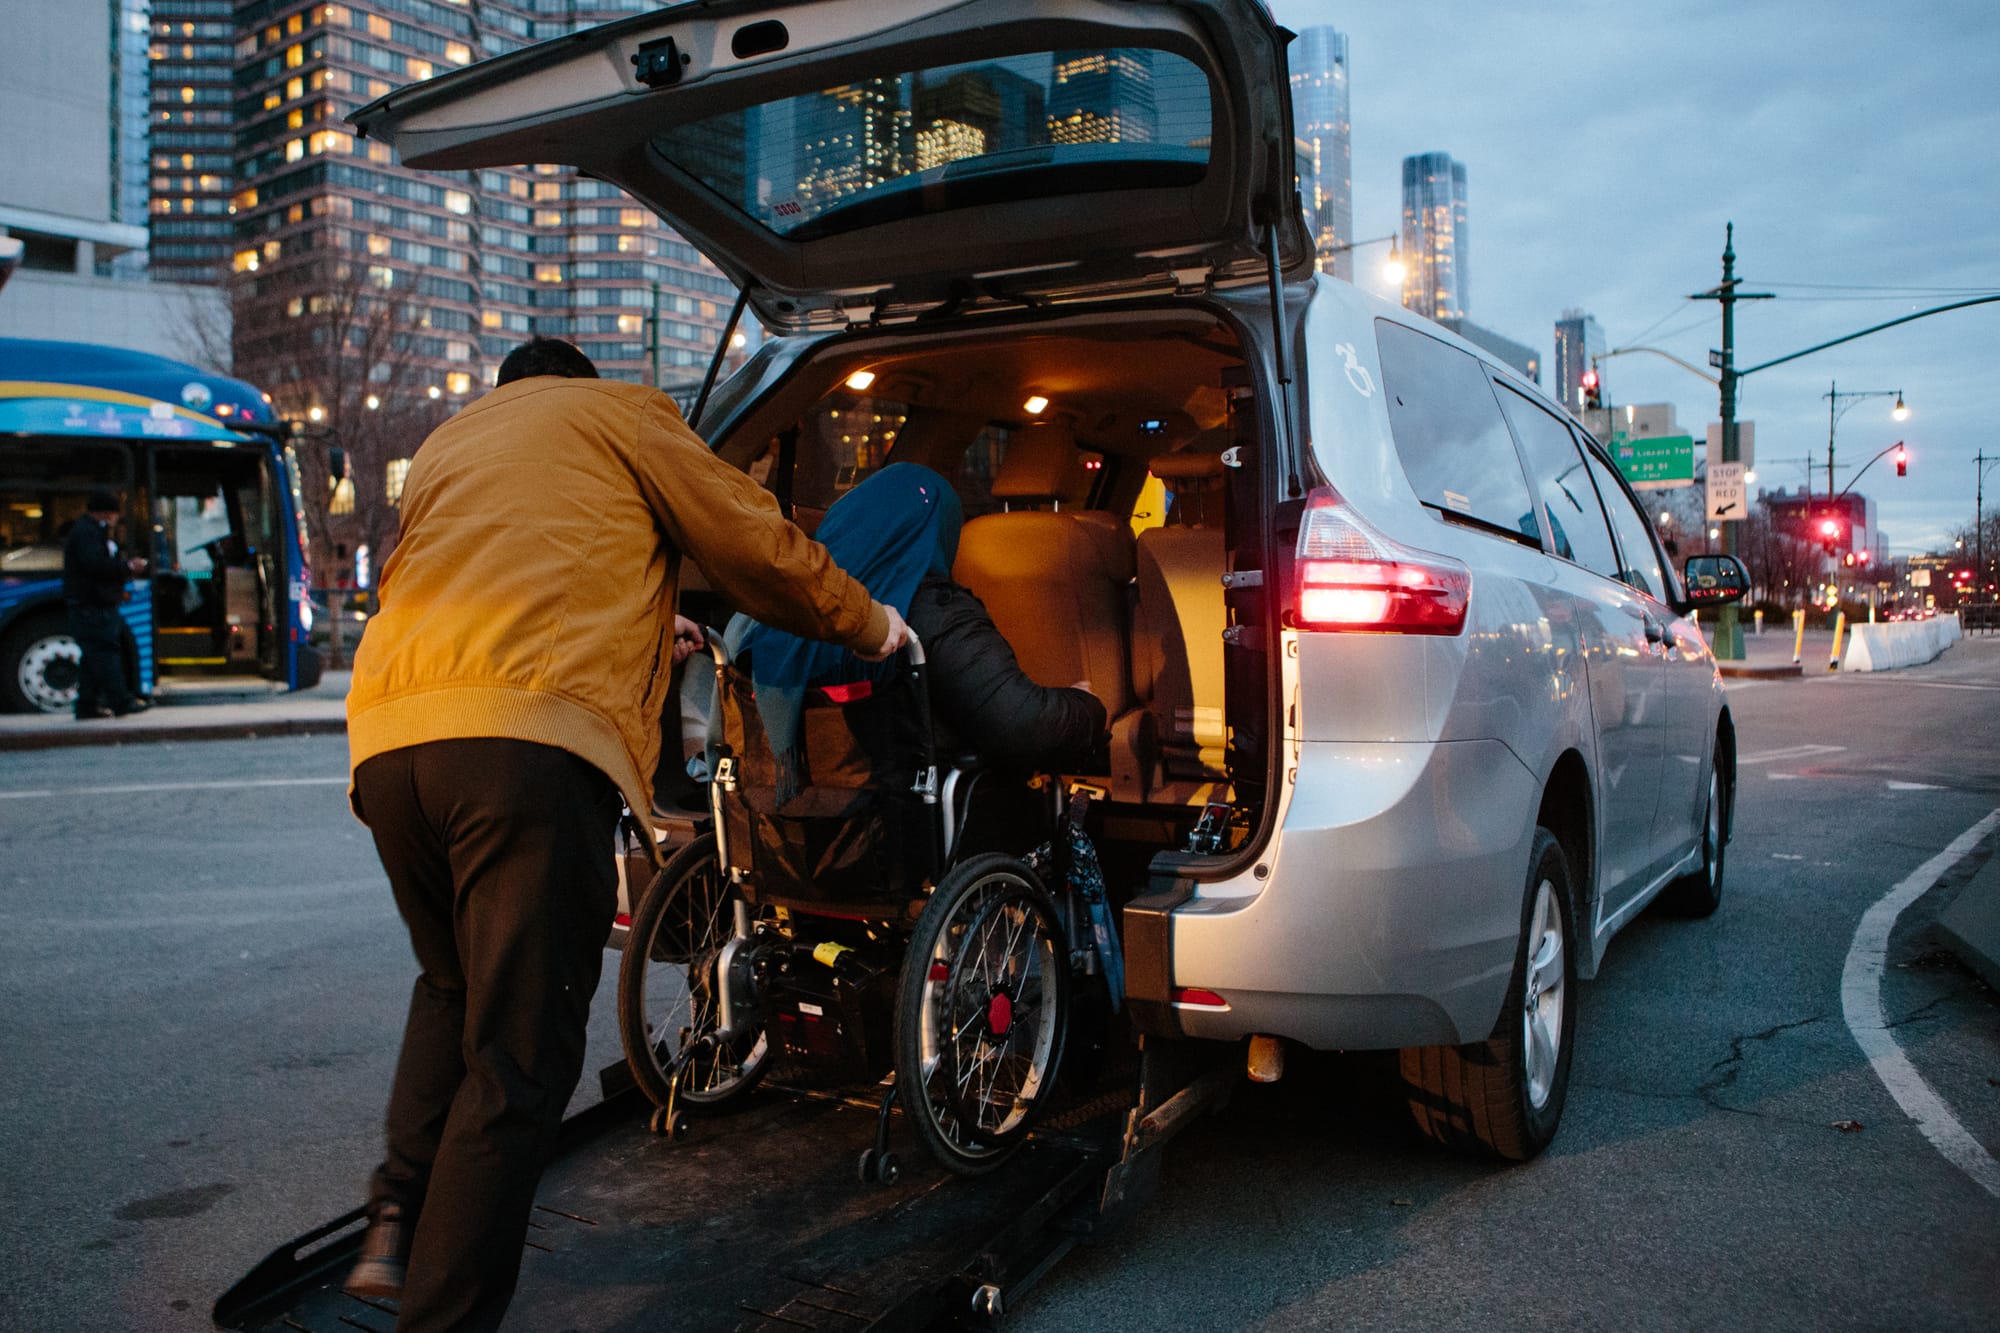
986 1302
879 1168
669 1125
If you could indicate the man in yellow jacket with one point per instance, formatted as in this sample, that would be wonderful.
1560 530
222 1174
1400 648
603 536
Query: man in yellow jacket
504 699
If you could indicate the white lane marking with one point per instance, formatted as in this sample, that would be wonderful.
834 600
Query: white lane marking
1783 777
1914 786
1788 752
1787 856
1946 685
136 787
1861 1005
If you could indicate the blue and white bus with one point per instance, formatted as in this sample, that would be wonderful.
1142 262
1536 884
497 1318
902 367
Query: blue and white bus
211 495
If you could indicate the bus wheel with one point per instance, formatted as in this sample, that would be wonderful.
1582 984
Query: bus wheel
39 666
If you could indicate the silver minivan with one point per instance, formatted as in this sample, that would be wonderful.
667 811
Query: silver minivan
1407 718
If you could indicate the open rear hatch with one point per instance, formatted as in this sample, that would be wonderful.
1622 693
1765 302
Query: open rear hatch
849 160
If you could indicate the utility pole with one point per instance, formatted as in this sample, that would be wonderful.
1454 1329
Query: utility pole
1728 632
1979 460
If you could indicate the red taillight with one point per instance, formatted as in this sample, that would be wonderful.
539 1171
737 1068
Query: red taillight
1201 999
1351 577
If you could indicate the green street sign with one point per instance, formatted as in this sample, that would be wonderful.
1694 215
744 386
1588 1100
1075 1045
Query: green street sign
1656 463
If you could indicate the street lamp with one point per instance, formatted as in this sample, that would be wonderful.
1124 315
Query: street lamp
1837 405
1393 268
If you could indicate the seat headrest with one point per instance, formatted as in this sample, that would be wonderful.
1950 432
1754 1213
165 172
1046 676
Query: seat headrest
1186 467
1041 464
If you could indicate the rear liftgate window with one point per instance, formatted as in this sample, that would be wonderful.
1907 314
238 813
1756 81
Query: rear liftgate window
877 150
1450 435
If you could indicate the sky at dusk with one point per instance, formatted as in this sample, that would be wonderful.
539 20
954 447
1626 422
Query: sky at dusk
1855 146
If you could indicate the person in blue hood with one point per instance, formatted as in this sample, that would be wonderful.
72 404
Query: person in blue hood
897 532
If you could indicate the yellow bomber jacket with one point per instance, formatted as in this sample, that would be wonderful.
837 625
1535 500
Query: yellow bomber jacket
531 594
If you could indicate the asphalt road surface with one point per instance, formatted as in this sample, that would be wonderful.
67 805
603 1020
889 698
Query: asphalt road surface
203 984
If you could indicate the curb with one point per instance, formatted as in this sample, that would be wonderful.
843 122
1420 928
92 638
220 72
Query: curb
68 738
1743 671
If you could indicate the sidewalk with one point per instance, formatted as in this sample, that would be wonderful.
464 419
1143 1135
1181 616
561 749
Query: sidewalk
320 711
1768 656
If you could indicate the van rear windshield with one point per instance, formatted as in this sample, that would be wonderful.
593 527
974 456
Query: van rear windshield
983 132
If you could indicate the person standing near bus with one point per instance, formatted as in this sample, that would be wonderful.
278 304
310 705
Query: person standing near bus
94 575
506 696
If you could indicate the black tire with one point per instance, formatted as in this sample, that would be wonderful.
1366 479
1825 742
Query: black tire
950 965
312 667
40 664
1700 893
682 921
1504 1097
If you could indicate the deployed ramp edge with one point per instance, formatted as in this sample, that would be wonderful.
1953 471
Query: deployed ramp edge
758 1221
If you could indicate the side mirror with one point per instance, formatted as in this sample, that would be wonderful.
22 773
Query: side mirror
1714 580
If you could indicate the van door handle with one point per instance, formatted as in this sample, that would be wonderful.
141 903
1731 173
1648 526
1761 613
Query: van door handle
1655 631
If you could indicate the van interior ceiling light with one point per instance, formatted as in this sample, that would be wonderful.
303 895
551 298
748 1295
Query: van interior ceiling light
1036 405
861 380
1352 577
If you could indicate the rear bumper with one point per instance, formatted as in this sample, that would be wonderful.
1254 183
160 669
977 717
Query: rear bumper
1386 911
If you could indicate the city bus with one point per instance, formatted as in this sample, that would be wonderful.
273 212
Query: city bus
211 500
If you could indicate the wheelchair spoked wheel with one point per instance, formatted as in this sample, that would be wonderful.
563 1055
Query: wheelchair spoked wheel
981 1012
668 1000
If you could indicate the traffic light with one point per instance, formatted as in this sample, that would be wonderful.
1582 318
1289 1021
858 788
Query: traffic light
1902 461
1848 560
1593 391
1829 534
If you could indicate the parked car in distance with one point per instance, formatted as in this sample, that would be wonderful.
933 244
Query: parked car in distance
1408 715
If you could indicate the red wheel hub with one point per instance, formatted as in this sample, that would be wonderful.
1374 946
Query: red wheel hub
1000 1014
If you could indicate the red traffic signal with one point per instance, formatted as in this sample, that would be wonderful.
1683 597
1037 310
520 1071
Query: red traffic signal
1902 461
1862 557
1593 390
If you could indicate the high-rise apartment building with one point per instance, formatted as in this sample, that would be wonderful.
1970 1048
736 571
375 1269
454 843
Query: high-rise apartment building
482 259
1102 97
193 140
1320 117
1578 338
1434 236
74 125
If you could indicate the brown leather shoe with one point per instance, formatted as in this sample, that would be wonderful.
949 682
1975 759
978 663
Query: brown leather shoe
385 1257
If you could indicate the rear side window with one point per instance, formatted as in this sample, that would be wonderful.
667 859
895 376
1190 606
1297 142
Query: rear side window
1640 565
1577 529
1449 432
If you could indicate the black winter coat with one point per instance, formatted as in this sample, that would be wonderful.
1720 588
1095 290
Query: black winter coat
980 693
93 573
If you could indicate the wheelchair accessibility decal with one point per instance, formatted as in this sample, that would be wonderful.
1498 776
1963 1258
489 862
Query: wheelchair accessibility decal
1357 374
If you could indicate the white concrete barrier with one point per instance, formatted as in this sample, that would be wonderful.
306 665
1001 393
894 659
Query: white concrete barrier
1902 643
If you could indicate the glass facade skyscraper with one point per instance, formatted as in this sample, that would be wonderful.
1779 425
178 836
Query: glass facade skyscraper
193 148
1434 236
1578 338
1320 119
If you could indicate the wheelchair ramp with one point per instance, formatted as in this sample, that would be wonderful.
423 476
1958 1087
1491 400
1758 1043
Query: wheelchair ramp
755 1221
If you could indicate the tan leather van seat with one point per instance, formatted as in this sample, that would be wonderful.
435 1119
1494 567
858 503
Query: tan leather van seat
1058 586
1177 630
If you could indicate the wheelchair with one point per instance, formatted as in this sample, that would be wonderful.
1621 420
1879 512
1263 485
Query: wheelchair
842 932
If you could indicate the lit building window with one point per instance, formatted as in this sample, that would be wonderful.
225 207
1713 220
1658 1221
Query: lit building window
378 244
548 217
548 273
295 149
631 323
632 217
246 261
295 87
489 319
343 497
458 53
458 201
419 69
393 477
295 56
